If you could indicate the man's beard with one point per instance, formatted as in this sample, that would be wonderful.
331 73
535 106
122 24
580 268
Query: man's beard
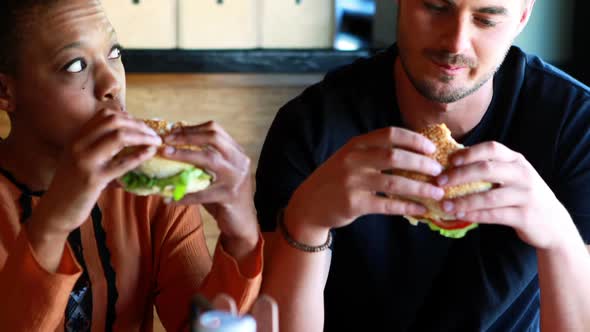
428 88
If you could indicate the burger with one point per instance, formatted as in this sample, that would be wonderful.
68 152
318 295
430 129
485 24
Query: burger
436 218
165 177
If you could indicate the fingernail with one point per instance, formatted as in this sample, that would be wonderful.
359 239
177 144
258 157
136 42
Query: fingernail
430 148
460 214
436 169
169 138
169 150
442 180
437 193
458 161
420 210
448 206
151 149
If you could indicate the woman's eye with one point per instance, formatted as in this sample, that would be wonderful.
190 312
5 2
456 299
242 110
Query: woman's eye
75 66
115 53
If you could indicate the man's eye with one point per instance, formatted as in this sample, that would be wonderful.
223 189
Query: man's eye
486 23
76 66
115 53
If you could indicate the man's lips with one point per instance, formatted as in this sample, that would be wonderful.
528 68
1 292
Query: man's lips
448 67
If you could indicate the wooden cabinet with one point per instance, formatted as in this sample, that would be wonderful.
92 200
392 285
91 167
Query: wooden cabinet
222 24
297 23
149 24
217 24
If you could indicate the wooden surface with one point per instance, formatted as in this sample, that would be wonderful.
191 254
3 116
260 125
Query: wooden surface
244 104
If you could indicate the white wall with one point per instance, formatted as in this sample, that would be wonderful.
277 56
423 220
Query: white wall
548 33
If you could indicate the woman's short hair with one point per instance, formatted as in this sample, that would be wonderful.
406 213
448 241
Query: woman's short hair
14 15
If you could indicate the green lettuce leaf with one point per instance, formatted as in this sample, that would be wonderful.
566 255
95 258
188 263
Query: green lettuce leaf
179 182
452 233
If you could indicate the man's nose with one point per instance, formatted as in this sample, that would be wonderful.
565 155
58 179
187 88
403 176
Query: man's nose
457 34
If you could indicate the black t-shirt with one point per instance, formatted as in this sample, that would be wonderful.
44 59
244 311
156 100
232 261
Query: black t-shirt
387 273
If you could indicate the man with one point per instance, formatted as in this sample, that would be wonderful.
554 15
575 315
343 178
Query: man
527 126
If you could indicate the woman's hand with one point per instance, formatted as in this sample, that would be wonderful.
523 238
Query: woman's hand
87 166
229 199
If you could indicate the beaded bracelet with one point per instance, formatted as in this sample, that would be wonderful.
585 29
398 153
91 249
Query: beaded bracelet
298 245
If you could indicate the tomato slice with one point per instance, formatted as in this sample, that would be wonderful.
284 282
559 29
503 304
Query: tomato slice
451 224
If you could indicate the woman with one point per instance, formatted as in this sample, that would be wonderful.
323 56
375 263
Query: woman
77 253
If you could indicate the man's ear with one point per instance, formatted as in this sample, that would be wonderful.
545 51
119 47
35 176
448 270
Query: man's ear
7 93
526 14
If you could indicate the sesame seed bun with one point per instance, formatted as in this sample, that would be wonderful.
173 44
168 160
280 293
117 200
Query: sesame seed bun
165 173
440 135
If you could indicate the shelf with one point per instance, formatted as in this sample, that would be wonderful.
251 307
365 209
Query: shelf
237 61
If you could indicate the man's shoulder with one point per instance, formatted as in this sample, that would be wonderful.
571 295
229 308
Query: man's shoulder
364 73
346 89
540 74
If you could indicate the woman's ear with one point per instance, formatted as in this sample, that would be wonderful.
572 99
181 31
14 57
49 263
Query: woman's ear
7 93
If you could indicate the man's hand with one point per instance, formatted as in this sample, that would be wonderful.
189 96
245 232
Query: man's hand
345 186
229 199
522 200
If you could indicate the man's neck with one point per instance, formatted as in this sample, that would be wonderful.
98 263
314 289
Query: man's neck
24 158
461 116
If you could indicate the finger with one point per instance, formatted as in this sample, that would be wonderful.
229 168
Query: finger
394 136
493 171
399 185
387 158
483 152
213 194
493 199
373 204
108 121
207 126
117 167
507 216
210 160
181 135
208 140
112 143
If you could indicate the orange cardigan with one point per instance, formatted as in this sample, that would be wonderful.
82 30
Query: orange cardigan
143 253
